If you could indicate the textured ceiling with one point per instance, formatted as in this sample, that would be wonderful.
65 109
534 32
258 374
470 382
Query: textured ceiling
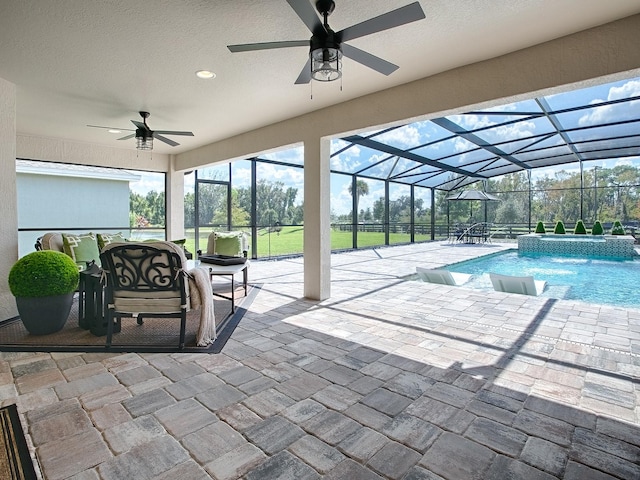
99 62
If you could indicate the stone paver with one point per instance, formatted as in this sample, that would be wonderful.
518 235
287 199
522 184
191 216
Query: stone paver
148 402
124 436
185 417
235 463
212 441
363 444
386 401
316 453
331 427
412 431
283 466
388 378
505 467
496 436
273 434
394 460
452 456
146 461
544 455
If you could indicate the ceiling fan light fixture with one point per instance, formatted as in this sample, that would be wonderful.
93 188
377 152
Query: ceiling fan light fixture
144 143
326 64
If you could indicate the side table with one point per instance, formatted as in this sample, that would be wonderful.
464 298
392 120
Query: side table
91 308
229 270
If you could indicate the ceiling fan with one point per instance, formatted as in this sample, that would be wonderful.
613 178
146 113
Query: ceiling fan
327 47
144 135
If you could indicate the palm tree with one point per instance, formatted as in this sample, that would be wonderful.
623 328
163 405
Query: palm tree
362 188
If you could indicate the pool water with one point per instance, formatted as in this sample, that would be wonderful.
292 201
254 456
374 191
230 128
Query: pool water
594 280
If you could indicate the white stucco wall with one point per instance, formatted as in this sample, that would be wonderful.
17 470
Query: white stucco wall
8 200
67 151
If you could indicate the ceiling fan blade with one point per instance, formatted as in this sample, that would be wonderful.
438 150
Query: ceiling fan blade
166 140
172 132
305 74
140 125
111 128
395 18
248 47
308 15
368 60
128 137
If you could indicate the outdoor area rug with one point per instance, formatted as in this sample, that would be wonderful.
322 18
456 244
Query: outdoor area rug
155 335
15 462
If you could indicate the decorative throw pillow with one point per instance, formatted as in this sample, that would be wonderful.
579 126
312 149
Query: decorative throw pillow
229 243
105 239
81 248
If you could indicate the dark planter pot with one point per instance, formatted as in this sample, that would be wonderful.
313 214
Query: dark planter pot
44 315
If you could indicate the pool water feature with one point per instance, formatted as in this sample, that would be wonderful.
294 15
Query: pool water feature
614 246
590 279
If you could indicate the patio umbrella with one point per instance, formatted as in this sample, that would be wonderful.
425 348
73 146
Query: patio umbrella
473 195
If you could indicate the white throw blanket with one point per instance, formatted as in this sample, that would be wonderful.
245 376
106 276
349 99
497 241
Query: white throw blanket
201 296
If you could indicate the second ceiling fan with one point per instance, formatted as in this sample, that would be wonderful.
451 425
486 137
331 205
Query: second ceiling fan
144 135
327 47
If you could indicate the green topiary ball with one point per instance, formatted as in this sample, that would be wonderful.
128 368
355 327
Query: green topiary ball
559 228
43 274
540 228
580 228
597 228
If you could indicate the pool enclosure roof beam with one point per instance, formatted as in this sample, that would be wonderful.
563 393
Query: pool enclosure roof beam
595 123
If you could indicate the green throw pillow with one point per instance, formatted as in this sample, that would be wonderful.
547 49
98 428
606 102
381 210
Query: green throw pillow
105 239
229 243
81 248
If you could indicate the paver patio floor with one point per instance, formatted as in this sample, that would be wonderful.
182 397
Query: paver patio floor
389 378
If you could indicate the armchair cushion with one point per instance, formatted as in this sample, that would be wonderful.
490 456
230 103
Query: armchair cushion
81 248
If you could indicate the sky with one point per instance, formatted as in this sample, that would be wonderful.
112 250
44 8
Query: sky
419 133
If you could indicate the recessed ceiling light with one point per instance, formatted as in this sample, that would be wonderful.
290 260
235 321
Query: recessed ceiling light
114 130
205 74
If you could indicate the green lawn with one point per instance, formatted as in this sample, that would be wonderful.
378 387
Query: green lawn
289 240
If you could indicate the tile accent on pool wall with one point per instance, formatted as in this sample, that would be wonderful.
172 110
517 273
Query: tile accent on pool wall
615 246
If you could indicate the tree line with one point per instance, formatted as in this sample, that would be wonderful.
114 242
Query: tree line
276 205
609 194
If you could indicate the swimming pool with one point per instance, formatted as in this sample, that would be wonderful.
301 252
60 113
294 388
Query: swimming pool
594 280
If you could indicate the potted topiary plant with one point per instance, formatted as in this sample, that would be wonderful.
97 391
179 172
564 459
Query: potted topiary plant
559 229
597 228
580 228
617 228
540 228
43 283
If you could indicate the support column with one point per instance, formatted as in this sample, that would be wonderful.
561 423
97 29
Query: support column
9 196
317 219
174 194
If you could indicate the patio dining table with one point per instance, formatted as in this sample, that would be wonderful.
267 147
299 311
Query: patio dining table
475 233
